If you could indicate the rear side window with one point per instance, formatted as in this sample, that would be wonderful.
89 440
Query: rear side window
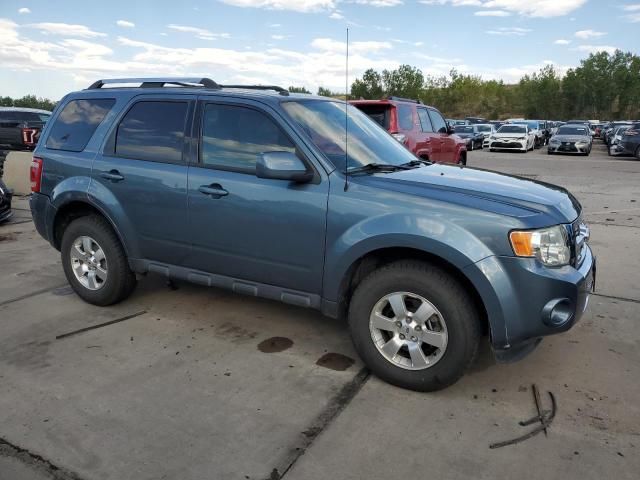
154 131
233 136
424 120
438 122
405 117
379 113
77 123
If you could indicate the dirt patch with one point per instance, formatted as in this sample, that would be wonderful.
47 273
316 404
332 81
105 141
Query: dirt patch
275 344
335 361
8 237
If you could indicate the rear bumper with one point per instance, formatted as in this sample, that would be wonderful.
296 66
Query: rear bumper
526 301
43 213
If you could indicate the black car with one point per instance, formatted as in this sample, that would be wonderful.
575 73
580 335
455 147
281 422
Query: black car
5 203
20 127
630 142
471 134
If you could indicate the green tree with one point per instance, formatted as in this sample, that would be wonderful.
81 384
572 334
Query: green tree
370 87
298 90
325 92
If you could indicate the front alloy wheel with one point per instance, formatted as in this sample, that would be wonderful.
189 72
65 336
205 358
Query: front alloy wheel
408 330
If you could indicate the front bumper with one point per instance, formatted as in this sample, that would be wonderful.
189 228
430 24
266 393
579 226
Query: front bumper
568 147
527 301
508 144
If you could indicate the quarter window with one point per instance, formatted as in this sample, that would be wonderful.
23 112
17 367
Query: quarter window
234 136
425 122
77 122
153 131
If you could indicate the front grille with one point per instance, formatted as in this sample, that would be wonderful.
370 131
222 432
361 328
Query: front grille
506 145
568 147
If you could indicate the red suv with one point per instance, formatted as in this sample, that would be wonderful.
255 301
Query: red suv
422 129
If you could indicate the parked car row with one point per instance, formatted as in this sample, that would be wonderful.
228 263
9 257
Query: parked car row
622 138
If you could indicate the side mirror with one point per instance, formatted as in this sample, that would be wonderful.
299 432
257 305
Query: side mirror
282 166
450 130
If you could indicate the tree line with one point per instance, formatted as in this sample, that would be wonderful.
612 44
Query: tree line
604 86
28 101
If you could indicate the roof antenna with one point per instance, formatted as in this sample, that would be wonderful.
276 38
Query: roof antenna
346 118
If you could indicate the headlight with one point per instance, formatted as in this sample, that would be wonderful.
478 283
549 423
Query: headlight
581 143
491 137
522 138
549 245
554 141
399 137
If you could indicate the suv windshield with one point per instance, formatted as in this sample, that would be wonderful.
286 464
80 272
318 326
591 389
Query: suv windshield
463 129
511 129
324 123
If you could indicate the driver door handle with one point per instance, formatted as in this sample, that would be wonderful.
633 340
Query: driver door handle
215 190
113 175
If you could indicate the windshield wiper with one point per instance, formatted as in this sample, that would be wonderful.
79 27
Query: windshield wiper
417 163
379 167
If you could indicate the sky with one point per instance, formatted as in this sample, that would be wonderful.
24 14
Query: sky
49 48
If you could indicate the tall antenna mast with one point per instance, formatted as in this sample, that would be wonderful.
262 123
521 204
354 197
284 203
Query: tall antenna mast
346 118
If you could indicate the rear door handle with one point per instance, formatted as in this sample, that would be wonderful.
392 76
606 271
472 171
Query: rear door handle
215 190
113 175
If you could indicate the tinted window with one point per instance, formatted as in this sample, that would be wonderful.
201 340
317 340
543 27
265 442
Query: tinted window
153 131
405 117
484 128
232 137
77 122
463 129
379 113
438 122
424 120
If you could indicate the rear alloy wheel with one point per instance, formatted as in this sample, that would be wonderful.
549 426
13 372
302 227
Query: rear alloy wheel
95 262
414 325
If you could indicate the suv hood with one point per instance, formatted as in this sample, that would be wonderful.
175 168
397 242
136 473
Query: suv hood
482 190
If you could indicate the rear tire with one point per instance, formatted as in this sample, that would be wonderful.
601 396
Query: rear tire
95 262
414 325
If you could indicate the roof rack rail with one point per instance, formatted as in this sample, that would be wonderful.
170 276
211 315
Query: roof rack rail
402 99
158 82
280 90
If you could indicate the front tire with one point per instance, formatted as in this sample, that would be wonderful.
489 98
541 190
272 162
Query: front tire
414 325
95 262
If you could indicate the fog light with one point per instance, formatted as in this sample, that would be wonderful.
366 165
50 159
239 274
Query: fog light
557 312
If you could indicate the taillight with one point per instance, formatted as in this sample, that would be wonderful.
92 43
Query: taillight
35 174
29 136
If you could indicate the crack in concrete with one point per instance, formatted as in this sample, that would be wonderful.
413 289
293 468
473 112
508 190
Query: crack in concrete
32 294
38 462
335 406
613 297
100 325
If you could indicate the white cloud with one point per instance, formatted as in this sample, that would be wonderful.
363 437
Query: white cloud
492 13
335 46
275 25
295 5
379 3
595 48
562 41
200 33
336 16
509 31
23 11
280 37
125 24
528 8
633 14
585 34
66 29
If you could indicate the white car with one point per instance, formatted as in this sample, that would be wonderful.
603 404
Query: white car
539 138
513 136
487 130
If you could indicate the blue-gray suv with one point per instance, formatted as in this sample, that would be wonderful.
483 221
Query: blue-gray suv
304 200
